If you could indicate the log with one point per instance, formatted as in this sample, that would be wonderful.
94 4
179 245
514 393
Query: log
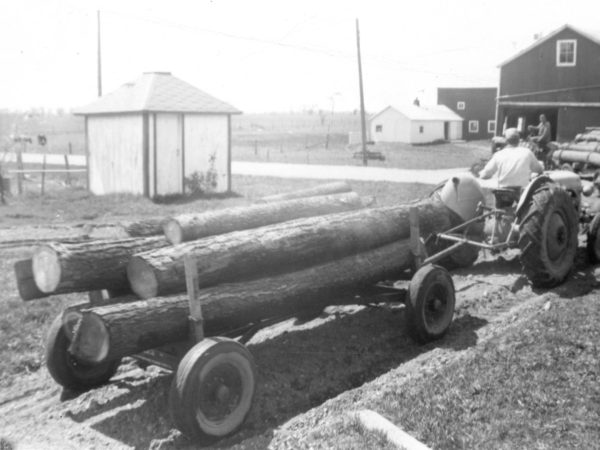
284 247
60 268
111 332
187 227
336 187
28 290
145 228
573 156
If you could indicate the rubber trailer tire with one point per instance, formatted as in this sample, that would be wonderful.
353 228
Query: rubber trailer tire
593 240
213 389
66 370
431 302
548 237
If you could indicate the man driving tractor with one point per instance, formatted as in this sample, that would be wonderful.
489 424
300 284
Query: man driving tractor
513 164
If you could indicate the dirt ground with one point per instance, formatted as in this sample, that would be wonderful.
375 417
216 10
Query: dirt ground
306 367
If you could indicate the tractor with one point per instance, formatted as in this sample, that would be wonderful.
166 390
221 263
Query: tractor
542 221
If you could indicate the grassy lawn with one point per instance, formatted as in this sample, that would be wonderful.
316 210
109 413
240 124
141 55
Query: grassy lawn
535 387
74 204
311 149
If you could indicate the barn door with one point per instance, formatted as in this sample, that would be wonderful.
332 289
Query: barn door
169 154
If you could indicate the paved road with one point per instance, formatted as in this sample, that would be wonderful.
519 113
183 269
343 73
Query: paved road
311 171
52 159
343 172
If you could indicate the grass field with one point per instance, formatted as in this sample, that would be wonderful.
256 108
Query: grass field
535 387
63 204
307 138
310 149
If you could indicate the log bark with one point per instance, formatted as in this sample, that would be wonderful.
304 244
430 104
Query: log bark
187 227
145 228
247 254
336 187
28 290
88 266
110 332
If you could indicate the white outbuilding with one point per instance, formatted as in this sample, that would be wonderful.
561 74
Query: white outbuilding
415 124
151 135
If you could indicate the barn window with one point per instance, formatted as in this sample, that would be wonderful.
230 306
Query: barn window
566 52
491 126
421 129
378 128
460 106
473 126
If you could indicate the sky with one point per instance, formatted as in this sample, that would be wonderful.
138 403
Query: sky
266 56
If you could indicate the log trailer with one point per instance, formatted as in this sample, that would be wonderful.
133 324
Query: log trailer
214 373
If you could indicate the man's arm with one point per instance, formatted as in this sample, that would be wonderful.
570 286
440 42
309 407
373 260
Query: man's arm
534 165
489 169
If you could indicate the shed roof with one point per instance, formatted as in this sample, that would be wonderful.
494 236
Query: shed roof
430 112
589 35
157 92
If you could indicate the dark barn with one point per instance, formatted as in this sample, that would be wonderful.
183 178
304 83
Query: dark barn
477 106
559 76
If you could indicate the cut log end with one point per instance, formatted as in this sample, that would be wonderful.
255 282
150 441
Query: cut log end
91 340
142 278
173 232
46 269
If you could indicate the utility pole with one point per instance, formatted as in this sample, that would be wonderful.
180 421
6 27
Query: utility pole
99 58
363 127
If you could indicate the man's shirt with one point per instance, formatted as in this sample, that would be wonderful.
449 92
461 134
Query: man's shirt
513 166
544 132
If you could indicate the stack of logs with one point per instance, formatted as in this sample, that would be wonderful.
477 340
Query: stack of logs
278 257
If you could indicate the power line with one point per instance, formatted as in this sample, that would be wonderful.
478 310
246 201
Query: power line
307 48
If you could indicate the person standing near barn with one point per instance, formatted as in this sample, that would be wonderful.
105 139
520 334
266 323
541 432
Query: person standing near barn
543 137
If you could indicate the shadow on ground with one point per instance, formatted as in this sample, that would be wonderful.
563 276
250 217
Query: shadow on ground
298 370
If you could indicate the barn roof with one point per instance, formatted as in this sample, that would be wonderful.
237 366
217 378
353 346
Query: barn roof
157 92
591 36
430 112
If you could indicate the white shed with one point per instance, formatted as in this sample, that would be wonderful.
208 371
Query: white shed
151 134
415 124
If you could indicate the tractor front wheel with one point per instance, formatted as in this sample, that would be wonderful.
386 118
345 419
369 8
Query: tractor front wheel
548 236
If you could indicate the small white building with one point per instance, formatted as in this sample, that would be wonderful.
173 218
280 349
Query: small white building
151 134
415 124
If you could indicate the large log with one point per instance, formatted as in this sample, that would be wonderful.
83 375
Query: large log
88 266
247 254
111 332
28 290
187 227
337 187
573 156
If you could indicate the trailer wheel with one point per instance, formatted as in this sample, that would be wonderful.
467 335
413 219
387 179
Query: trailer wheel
593 240
67 370
431 303
548 237
213 388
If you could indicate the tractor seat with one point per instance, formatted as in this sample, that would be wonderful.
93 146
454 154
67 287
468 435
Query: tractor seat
506 196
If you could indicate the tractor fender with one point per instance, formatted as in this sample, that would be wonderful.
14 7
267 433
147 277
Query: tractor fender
529 190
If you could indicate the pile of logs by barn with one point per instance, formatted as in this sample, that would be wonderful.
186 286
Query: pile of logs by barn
286 254
583 152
